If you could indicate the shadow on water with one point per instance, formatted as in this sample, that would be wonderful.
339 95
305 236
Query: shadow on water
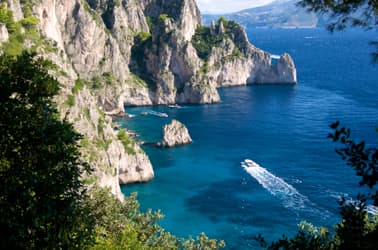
235 200
240 202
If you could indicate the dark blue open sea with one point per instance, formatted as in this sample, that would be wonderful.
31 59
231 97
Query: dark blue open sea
202 187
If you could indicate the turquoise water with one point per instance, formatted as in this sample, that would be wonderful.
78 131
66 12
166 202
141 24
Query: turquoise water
202 187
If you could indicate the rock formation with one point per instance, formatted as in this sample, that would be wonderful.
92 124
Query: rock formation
174 134
3 33
115 53
234 61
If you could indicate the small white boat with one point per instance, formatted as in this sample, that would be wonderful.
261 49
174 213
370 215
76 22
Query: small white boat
276 57
249 163
158 114
174 106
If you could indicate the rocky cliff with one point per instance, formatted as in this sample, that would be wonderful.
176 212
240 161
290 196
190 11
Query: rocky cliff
174 134
112 53
232 60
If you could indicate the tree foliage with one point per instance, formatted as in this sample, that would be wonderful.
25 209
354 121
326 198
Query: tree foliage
358 229
121 225
364 160
41 194
344 13
203 40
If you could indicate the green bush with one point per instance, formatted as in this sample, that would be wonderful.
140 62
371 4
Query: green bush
29 22
17 35
79 85
203 41
126 142
163 17
70 101
6 17
142 36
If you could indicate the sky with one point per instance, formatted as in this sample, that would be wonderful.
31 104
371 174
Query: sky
228 6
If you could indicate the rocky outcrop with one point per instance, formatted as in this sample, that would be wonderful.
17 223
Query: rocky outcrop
114 162
235 61
138 168
15 6
283 71
167 60
3 33
174 134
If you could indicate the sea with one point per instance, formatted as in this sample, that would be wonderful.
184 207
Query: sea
202 187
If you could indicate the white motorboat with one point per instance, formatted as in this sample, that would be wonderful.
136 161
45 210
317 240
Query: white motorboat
249 163
174 106
158 114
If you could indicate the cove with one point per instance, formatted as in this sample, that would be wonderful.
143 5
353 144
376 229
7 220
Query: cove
202 187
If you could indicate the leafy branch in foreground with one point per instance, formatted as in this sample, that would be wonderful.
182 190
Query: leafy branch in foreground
358 229
362 159
121 225
41 194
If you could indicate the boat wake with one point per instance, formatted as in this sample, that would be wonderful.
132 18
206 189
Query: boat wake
289 196
370 209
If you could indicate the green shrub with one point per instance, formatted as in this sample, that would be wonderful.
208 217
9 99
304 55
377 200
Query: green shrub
29 22
17 35
127 143
70 101
163 17
79 85
203 41
142 36
121 225
150 23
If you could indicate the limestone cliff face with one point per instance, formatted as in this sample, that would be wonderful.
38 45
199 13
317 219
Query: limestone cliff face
136 52
167 60
174 134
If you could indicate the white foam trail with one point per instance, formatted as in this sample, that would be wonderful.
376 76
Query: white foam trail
370 209
275 57
289 196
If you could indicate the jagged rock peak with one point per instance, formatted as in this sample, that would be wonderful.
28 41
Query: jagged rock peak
221 29
183 13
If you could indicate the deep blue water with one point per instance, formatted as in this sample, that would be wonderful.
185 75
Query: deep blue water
202 187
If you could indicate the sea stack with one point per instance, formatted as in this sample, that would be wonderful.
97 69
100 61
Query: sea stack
174 134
